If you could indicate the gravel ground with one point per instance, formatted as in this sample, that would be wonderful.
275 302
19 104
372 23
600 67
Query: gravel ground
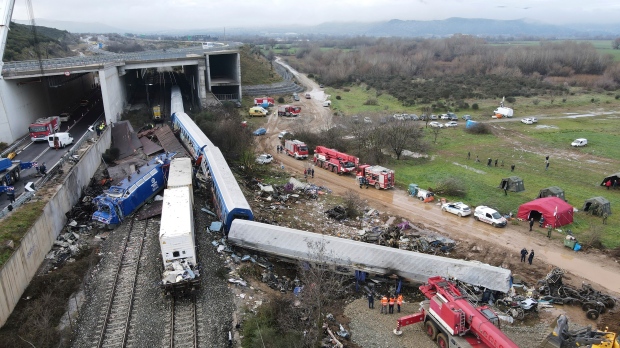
371 329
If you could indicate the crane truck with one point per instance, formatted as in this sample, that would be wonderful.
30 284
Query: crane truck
332 159
452 321
377 176
10 172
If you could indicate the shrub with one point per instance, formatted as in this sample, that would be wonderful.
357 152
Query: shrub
111 155
478 128
352 204
617 97
281 100
535 101
4 145
346 89
371 101
338 97
452 186
511 99
310 75
475 106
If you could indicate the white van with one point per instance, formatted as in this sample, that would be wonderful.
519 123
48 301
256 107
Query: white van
60 140
579 142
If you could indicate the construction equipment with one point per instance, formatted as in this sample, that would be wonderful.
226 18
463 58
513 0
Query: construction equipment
452 321
377 176
561 337
332 159
10 171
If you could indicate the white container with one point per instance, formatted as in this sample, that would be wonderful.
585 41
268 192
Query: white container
176 232
180 175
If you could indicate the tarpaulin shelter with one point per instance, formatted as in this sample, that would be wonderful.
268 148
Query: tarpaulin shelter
470 124
612 177
513 184
551 191
555 211
597 206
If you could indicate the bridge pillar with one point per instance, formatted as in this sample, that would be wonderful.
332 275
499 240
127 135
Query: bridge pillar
113 92
202 85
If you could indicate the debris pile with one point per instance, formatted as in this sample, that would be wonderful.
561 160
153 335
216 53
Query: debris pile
67 245
178 271
592 301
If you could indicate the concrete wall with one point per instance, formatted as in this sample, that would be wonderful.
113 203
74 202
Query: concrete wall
113 93
19 97
21 267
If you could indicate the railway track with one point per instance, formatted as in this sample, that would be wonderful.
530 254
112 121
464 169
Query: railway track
183 323
114 327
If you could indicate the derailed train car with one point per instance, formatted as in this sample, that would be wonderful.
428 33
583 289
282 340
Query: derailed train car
176 234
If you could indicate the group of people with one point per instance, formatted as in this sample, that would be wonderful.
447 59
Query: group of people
308 171
387 303
363 181
611 183
279 148
524 253
490 162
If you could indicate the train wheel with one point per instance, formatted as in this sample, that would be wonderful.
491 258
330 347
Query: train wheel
442 341
431 330
592 314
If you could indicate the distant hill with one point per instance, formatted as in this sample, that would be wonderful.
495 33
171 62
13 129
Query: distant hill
76 27
53 43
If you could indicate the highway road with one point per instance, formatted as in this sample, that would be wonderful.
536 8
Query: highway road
41 152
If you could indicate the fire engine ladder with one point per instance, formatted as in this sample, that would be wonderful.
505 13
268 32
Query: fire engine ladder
462 329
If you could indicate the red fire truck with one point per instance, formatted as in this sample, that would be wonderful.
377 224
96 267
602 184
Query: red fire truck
41 128
452 321
289 110
264 100
332 159
377 176
296 148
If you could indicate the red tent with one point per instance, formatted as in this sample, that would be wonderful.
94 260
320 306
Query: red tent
555 211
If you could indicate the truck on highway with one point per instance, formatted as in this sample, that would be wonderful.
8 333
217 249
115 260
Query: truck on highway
296 148
41 128
10 171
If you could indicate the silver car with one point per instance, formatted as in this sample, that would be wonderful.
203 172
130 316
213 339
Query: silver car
457 208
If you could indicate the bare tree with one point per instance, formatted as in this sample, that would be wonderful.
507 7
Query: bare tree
401 135
436 131
616 44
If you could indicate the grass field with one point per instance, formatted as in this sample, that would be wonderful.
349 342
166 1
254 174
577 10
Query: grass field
579 171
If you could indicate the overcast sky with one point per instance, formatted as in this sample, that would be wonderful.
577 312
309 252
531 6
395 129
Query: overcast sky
149 15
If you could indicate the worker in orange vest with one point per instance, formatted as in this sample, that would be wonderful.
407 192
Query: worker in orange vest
392 304
399 301
384 303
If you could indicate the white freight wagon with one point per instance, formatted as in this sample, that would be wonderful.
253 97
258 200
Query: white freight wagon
180 175
176 232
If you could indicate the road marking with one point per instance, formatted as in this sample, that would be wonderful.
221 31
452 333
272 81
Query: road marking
31 142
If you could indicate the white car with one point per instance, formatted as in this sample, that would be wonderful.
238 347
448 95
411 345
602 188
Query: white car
579 142
367 120
451 124
445 117
264 158
490 216
456 208
534 119
527 121
435 124
283 133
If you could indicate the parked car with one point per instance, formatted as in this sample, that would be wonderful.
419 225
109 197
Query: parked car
398 117
423 117
434 117
435 124
308 96
457 208
264 158
534 119
451 124
260 131
527 121
414 117
579 142
367 120
425 195
490 216
466 117
321 85
84 102
452 116
283 133
406 117
296 97
355 118
445 117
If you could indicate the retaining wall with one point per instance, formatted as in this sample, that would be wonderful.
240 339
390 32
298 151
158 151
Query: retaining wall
20 268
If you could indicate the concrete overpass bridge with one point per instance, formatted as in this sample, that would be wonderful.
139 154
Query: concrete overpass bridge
34 89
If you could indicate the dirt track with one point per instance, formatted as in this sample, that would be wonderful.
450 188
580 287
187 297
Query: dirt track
595 268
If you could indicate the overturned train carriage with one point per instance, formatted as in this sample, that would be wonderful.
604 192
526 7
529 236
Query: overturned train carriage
348 256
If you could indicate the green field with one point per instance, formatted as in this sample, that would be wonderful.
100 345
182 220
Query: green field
579 171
